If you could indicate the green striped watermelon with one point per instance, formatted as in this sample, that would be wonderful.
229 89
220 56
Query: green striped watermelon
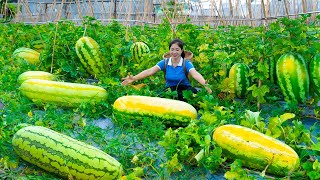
38 45
138 50
88 51
239 74
63 155
30 55
315 73
293 77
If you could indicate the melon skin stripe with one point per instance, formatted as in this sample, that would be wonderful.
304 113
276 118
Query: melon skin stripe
256 150
173 112
62 93
63 155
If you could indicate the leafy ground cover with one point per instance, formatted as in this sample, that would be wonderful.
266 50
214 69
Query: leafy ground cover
143 145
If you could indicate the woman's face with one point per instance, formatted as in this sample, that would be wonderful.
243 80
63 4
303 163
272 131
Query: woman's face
175 51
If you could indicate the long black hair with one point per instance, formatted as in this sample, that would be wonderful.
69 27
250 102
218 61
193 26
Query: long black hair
180 43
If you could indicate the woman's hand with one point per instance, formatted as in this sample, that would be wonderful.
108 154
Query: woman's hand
207 87
127 80
148 72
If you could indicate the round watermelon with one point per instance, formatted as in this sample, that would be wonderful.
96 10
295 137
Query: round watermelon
239 74
293 77
138 50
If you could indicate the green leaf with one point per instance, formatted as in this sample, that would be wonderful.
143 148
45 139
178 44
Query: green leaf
253 117
316 147
173 164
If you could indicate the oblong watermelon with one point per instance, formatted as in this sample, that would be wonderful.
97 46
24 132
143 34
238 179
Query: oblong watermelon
63 155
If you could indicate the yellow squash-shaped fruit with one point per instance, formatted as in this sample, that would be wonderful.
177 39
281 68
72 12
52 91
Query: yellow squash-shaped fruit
173 112
34 75
256 150
63 155
62 93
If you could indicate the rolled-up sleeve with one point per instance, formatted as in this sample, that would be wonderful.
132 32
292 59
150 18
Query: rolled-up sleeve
189 65
160 65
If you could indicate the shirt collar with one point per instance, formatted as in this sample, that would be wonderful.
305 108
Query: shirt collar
180 62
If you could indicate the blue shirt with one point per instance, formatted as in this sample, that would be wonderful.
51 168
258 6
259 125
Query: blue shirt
175 75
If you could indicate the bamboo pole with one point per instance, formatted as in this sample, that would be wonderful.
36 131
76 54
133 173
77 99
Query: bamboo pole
219 15
59 13
264 12
294 7
79 9
54 5
249 11
304 6
237 12
26 4
185 16
100 6
91 9
145 13
268 8
313 16
45 13
231 9
286 7
104 10
129 13
39 18
17 17
120 7
168 19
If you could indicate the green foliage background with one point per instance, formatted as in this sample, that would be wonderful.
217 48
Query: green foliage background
144 142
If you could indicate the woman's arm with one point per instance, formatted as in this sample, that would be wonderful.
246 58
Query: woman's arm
148 72
198 77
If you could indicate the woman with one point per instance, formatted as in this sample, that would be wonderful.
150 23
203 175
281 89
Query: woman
175 77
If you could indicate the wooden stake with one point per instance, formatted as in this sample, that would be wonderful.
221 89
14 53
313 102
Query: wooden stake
304 6
129 15
250 11
54 44
26 5
264 12
17 17
286 8
171 25
79 9
231 9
